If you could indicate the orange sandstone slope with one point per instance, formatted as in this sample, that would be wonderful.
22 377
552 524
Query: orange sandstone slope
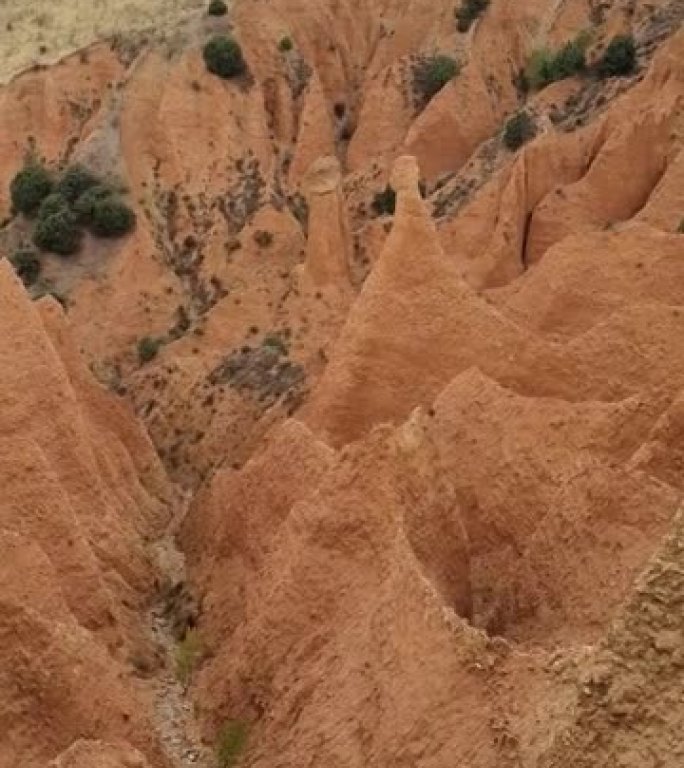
423 459
82 492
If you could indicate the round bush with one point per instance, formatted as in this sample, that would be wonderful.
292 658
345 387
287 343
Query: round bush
285 44
223 57
75 181
53 203
58 232
619 58
110 217
148 348
30 187
217 8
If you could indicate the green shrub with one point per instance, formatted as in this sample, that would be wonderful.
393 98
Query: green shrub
545 66
468 12
285 44
519 130
384 203
75 181
30 187
217 8
110 217
188 654
223 57
79 199
570 60
680 228
619 58
148 348
232 740
432 74
276 341
27 265
58 232
539 70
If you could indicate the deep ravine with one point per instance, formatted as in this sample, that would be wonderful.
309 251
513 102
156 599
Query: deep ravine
174 713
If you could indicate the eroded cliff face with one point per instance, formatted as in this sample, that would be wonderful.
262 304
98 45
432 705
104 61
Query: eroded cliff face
420 446
82 490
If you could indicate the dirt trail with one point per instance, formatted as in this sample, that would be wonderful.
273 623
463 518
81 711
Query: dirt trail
174 713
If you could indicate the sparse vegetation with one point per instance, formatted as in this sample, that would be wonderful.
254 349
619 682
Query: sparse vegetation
431 75
384 202
468 12
519 130
619 58
299 208
546 67
276 341
680 228
32 184
217 8
232 740
263 238
148 348
285 44
298 74
27 265
223 57
41 290
263 371
188 655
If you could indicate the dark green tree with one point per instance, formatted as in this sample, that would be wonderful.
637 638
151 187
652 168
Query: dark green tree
619 58
110 217
217 8
58 232
223 57
32 184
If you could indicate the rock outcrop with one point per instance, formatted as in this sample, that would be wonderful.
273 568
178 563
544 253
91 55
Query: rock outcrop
328 238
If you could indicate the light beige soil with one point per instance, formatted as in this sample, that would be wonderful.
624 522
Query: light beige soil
43 31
